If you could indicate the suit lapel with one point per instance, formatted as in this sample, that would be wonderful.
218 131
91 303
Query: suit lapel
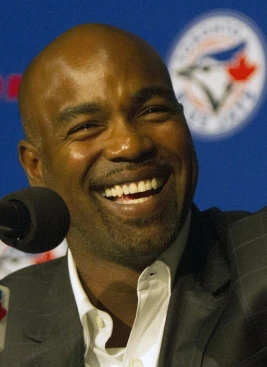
46 330
50 345
199 295
193 315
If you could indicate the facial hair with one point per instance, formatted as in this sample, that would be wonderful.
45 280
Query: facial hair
131 244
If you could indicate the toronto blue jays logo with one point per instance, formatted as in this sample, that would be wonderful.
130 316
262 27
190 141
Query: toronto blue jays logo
218 70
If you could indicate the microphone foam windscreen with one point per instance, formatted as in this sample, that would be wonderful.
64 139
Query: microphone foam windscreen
50 220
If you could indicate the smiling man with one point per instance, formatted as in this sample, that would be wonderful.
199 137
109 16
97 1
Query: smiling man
109 135
146 278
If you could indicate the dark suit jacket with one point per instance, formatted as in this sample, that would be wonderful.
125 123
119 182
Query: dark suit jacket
217 314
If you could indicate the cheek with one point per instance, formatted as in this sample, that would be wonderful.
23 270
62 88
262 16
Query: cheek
175 138
176 141
67 165
73 156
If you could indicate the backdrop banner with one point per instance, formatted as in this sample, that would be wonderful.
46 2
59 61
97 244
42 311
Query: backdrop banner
216 55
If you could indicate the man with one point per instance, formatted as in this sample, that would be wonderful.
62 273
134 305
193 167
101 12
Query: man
147 281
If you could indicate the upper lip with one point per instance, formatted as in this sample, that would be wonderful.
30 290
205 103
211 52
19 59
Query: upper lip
132 175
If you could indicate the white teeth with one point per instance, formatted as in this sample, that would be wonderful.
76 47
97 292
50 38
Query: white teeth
133 188
119 190
141 186
154 183
148 185
141 200
125 189
108 193
134 201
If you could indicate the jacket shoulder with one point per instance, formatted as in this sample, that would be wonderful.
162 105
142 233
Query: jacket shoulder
213 222
33 271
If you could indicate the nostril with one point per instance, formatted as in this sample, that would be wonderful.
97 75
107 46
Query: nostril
142 156
130 147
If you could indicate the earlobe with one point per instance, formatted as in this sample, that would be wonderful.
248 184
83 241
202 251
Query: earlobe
30 159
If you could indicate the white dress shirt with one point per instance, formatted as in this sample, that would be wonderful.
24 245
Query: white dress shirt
153 291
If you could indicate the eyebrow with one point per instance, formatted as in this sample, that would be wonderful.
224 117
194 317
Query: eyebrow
70 113
145 94
139 98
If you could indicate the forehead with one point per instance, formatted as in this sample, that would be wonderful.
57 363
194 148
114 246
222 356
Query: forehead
93 69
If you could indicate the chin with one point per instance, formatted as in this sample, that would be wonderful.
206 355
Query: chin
140 247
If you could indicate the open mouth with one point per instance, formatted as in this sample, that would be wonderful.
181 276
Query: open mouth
134 192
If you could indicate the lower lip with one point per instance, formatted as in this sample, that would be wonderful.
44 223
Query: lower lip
151 206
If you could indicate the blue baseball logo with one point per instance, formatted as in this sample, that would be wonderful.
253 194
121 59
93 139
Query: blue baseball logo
218 70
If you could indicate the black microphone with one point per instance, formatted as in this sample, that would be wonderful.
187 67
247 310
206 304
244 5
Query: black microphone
33 220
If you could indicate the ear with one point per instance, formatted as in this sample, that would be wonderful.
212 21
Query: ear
30 159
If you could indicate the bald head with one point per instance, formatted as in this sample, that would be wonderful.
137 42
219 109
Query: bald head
99 111
78 46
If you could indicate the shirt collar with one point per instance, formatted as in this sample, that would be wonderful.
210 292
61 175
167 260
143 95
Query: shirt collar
81 297
172 256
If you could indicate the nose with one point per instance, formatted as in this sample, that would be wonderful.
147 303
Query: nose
128 142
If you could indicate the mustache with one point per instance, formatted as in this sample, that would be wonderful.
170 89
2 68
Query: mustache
115 169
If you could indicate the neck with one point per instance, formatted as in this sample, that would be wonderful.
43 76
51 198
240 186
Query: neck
102 276
112 288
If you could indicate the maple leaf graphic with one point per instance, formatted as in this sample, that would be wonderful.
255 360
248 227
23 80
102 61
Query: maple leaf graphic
240 69
44 257
2 312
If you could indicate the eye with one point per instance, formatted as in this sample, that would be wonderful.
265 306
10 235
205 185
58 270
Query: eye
155 113
84 126
156 109
86 129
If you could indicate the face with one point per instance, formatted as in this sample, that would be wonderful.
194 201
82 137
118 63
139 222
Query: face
115 145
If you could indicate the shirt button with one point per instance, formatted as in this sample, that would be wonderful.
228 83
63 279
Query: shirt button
100 322
136 363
